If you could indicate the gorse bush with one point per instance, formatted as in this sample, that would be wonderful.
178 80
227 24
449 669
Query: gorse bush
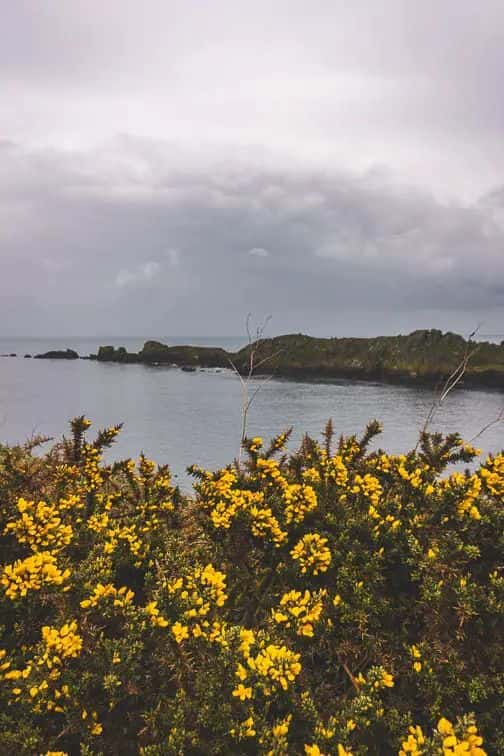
332 601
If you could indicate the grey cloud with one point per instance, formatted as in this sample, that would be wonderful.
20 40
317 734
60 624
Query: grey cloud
173 245
413 86
143 273
172 165
258 252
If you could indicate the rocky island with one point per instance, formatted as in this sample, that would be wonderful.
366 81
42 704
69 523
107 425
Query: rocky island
421 357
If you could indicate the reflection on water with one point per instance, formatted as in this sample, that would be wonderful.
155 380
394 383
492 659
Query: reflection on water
184 418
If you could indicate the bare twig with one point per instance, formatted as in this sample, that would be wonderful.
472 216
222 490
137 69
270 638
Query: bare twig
451 382
254 344
495 421
352 678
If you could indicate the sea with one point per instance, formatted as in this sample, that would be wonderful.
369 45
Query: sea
184 418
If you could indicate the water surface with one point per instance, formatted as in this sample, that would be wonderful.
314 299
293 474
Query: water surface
184 418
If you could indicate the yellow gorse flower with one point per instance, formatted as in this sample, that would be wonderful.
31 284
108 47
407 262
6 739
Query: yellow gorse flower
312 750
300 610
200 593
121 597
40 526
32 574
60 643
413 743
281 728
156 618
312 554
277 664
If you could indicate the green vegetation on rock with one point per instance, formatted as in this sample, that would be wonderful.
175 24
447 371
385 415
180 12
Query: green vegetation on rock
420 357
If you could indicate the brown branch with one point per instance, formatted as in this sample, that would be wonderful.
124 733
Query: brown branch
353 680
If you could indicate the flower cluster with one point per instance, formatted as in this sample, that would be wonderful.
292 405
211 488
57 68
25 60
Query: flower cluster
40 526
298 500
120 597
200 592
312 554
448 740
301 610
272 668
60 643
31 574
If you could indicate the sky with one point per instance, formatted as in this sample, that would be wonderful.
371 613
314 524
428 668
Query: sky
167 167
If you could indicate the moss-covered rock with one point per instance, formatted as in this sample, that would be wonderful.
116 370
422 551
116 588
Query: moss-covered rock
424 356
58 354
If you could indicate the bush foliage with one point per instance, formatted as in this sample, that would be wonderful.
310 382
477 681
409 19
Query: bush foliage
336 600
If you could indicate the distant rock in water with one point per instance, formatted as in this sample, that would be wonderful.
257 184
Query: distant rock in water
27 356
58 354
189 356
113 354
13 354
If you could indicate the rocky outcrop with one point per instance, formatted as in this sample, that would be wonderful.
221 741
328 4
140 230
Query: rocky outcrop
421 357
424 356
154 351
113 354
58 354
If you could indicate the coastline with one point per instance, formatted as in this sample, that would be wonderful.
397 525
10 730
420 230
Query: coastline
421 358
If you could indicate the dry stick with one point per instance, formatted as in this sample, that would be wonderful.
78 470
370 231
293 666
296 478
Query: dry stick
453 379
254 344
353 679
498 419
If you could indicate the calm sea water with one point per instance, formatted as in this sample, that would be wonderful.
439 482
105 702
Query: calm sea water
184 418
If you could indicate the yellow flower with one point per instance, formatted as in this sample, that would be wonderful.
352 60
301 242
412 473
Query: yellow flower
242 692
156 617
444 726
60 644
247 638
301 610
248 728
180 632
312 750
342 751
281 729
411 745
256 444
387 680
312 553
31 574
241 672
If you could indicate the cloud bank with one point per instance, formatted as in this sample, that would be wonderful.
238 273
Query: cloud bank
166 169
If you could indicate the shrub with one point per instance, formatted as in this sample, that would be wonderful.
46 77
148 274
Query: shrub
332 601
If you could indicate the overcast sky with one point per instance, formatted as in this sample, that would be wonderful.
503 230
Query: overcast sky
167 166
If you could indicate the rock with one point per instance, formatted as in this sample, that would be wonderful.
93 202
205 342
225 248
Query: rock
58 354
111 354
27 356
